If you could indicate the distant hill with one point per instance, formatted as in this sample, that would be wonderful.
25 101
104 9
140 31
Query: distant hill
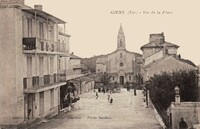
90 63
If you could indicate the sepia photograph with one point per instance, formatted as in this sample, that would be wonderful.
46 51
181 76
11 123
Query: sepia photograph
99 64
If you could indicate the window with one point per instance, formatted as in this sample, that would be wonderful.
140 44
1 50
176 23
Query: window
129 77
41 103
41 33
52 33
29 66
121 64
113 78
121 55
41 64
52 98
120 42
166 51
29 27
51 65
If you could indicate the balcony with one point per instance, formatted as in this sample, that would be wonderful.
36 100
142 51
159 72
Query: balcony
37 45
36 83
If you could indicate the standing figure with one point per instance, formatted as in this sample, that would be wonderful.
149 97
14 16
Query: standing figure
29 113
97 95
183 124
108 97
111 100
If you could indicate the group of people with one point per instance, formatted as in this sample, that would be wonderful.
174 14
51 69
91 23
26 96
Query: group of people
109 97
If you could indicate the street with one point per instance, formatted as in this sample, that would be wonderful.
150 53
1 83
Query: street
126 112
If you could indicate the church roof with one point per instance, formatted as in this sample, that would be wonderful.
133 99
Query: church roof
154 44
137 54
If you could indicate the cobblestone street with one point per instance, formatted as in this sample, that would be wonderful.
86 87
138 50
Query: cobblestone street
126 112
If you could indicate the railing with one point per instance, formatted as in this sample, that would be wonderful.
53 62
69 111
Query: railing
33 43
36 81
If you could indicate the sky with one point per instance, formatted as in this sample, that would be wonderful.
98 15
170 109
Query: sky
94 24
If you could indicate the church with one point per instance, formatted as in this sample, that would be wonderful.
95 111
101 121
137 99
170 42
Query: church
122 65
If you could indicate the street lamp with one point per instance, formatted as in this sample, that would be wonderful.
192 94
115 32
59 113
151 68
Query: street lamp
176 89
177 95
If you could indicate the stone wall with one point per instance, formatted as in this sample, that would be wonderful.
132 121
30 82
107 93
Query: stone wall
154 57
189 111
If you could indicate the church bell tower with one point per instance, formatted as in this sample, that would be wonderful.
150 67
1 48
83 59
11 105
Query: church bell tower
121 39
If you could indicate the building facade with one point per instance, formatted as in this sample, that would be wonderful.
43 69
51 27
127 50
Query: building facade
34 50
121 64
161 56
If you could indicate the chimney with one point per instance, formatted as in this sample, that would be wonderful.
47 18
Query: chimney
38 7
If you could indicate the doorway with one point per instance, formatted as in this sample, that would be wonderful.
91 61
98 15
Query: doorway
29 106
121 80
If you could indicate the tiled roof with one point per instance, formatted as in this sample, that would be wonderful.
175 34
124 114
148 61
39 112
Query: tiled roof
153 44
164 59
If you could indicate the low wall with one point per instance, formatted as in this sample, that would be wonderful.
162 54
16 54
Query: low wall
189 111
156 114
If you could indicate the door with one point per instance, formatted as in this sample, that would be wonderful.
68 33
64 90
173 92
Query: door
30 98
121 79
41 103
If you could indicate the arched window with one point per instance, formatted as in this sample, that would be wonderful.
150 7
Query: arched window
121 55
120 42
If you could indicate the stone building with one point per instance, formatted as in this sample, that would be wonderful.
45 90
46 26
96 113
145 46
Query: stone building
32 49
161 56
122 65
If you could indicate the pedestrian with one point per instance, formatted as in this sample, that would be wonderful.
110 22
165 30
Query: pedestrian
97 95
104 90
111 100
99 90
29 113
108 97
183 124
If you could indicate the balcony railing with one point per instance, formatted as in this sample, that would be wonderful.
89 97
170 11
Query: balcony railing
37 82
33 43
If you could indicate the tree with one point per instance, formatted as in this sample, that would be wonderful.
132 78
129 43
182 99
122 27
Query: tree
105 79
162 87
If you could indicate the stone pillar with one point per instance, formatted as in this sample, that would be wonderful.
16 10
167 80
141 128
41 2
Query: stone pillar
177 99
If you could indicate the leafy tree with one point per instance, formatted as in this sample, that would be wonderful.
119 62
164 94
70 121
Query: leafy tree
105 79
162 87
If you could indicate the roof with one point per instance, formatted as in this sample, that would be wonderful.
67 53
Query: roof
45 15
161 60
125 51
153 45
72 56
103 58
